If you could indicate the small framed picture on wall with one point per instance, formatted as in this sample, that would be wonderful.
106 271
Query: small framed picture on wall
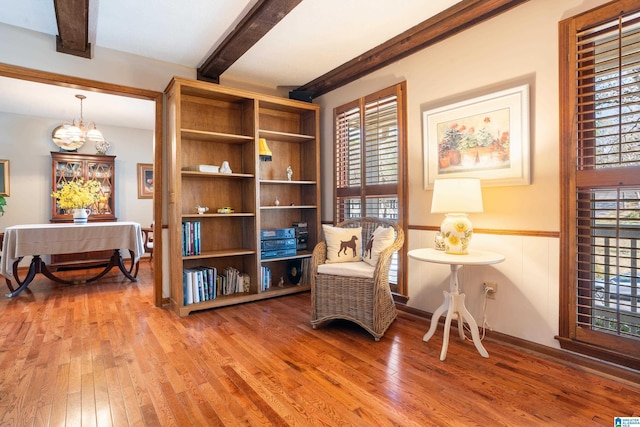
145 181
4 178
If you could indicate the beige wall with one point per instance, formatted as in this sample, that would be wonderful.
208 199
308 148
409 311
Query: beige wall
35 50
519 46
26 142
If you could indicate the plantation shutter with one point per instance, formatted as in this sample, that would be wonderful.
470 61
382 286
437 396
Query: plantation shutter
369 146
348 164
367 157
603 215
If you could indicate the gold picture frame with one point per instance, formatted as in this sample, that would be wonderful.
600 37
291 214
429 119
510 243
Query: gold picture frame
145 181
4 178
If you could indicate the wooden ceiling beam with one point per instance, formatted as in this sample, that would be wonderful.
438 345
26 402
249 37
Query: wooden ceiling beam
72 17
451 21
262 17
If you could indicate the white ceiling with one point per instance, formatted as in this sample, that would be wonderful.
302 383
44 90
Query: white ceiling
49 101
314 38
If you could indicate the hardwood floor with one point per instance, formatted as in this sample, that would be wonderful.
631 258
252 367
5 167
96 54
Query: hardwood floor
102 354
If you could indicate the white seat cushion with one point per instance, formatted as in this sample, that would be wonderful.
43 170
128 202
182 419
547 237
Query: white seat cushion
348 269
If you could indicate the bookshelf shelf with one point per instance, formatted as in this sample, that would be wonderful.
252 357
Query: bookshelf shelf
208 124
201 135
216 175
285 182
286 137
289 207
221 254
299 255
217 215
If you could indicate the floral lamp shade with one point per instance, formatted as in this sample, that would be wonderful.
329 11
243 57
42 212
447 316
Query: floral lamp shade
456 198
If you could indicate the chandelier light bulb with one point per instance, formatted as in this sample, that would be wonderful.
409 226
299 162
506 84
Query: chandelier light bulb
71 136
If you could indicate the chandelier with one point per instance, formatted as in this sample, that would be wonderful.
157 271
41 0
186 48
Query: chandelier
71 136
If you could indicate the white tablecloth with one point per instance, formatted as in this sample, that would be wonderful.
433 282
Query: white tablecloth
47 239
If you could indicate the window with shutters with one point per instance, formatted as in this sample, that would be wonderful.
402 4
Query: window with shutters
600 159
370 162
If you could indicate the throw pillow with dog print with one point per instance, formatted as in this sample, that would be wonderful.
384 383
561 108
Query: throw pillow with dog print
343 244
381 239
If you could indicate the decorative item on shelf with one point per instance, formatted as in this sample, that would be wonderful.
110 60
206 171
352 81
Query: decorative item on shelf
225 168
201 209
289 173
276 202
102 147
246 282
439 242
202 168
77 197
455 198
294 271
103 203
264 152
226 210
71 136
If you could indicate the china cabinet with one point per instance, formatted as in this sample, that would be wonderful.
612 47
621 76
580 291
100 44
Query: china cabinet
68 166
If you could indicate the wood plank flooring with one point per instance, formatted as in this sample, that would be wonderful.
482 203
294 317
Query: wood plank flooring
103 355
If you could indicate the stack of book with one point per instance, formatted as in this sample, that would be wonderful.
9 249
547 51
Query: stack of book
200 284
266 278
190 238
204 283
231 281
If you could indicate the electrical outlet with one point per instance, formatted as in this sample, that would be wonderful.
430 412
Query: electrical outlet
493 289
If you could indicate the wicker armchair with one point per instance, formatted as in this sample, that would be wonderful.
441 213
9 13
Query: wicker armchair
365 301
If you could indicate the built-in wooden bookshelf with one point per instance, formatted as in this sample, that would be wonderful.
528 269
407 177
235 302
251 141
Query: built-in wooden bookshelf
209 124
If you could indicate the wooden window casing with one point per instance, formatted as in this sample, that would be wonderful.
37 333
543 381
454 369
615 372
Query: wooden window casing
600 183
370 163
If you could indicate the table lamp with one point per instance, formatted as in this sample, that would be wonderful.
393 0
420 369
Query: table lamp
456 198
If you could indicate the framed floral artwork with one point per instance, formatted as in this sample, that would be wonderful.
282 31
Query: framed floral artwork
145 181
486 137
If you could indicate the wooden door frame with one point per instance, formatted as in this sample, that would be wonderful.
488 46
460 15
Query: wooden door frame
28 74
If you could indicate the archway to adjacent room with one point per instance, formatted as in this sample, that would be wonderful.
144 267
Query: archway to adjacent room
21 73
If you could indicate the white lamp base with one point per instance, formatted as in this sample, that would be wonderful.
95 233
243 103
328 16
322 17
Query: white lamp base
457 232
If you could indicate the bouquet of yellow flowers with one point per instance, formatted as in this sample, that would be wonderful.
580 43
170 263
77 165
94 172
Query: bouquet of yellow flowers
77 194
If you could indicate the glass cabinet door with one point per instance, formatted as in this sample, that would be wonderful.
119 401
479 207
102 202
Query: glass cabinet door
103 173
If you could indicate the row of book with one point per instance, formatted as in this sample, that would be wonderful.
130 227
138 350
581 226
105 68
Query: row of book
190 238
204 283
266 278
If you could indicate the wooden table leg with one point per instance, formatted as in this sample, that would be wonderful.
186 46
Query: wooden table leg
39 266
34 268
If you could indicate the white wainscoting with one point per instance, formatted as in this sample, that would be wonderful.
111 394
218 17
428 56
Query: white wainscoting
526 303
